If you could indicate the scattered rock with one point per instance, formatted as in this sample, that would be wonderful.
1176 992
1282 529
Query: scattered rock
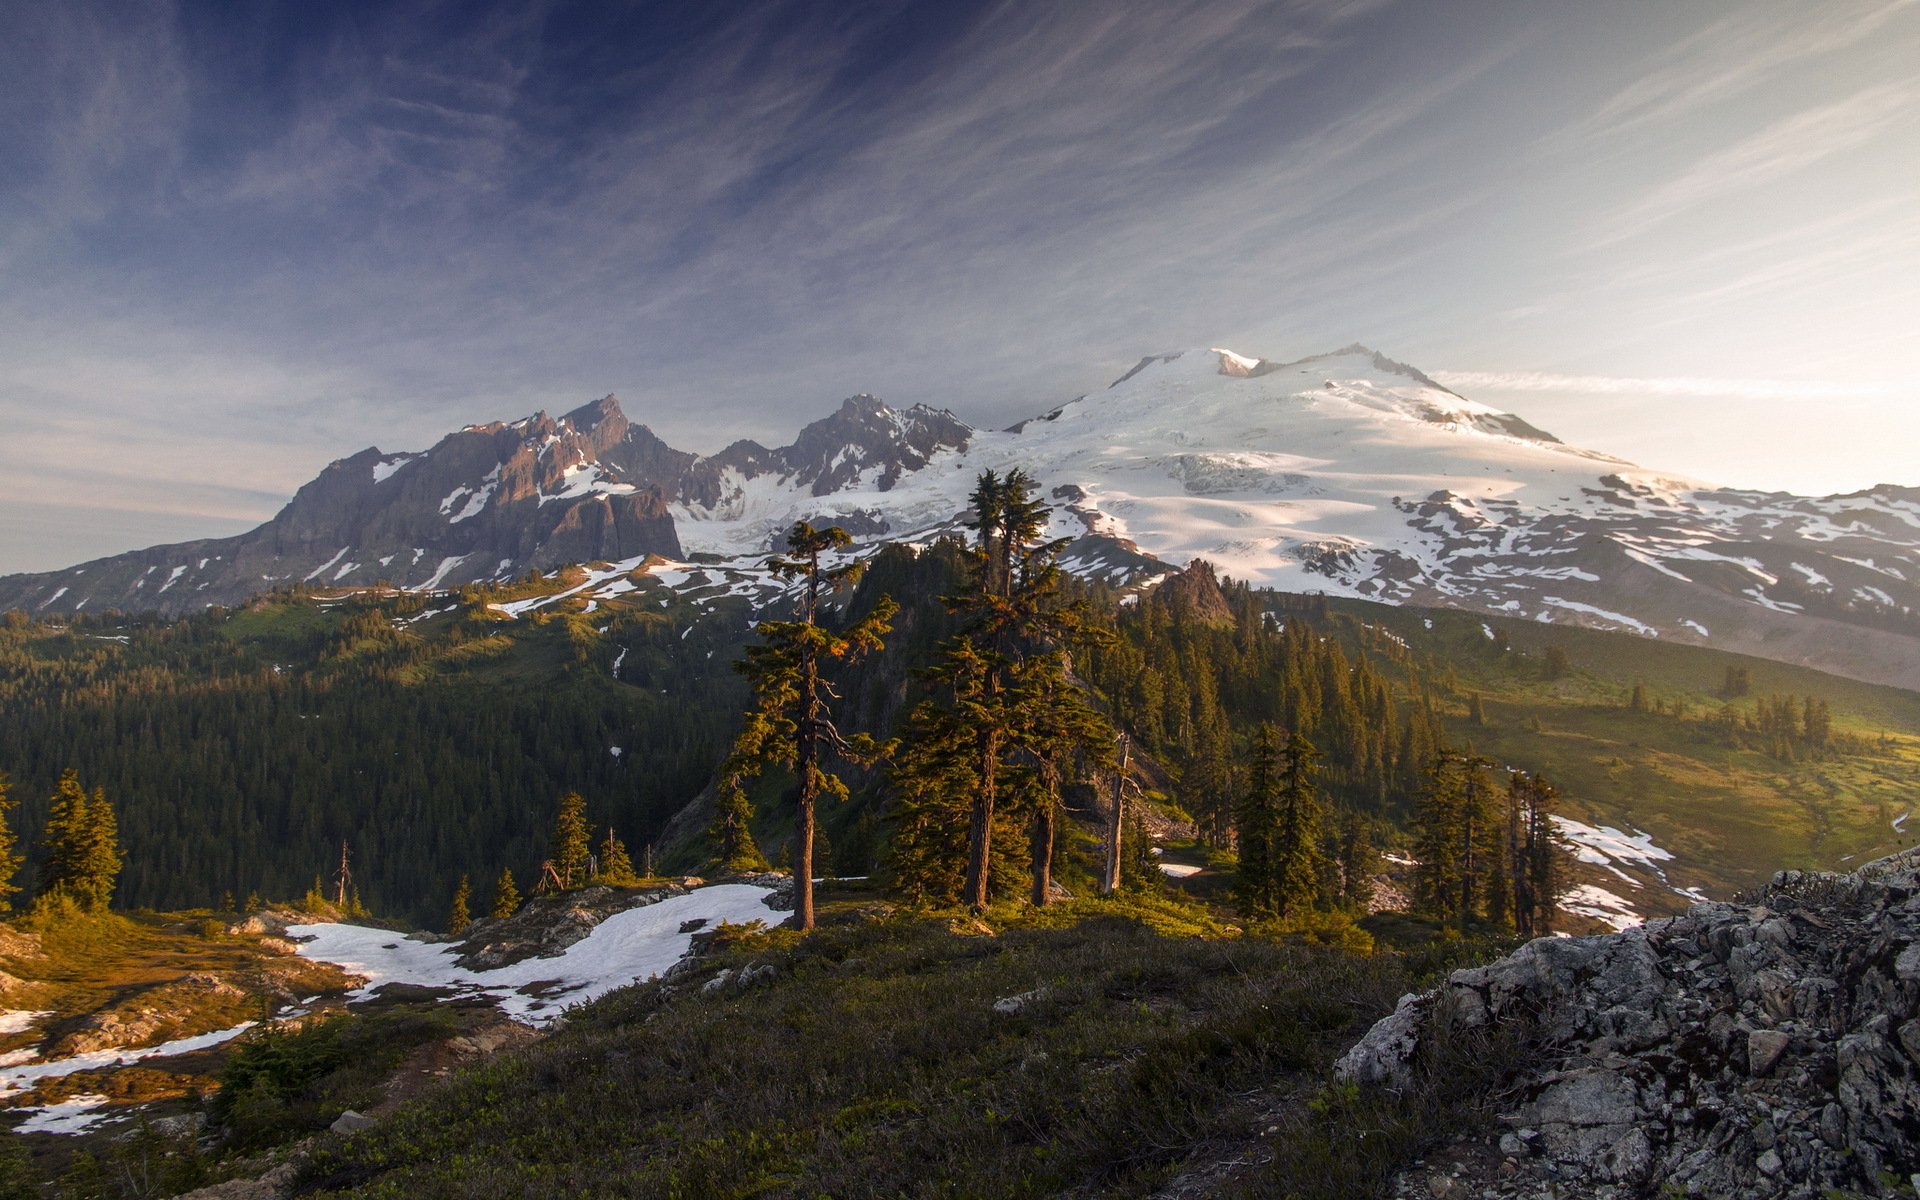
1764 1048
1009 1005
350 1122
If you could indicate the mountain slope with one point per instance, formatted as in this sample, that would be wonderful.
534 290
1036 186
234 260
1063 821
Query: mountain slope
1347 473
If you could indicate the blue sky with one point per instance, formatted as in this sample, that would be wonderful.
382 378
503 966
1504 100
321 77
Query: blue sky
240 240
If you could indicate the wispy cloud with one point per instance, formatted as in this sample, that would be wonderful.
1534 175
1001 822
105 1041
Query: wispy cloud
1734 55
1676 385
1782 149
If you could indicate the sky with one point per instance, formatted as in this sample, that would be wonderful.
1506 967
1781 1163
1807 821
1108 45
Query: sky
240 240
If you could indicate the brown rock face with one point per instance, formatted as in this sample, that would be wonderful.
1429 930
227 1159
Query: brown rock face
1194 594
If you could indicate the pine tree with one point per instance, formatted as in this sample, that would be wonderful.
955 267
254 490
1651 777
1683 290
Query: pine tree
731 833
616 866
1535 853
790 724
1295 849
83 844
10 858
65 837
1256 822
1358 860
506 896
570 851
458 918
101 860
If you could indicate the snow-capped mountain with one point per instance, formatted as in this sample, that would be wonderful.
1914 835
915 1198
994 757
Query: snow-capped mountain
1346 473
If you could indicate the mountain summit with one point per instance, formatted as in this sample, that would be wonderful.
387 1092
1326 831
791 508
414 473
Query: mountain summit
1347 472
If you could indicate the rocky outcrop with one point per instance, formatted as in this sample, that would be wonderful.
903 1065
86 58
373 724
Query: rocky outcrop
1754 1049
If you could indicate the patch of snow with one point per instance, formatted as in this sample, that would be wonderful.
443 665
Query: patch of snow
1178 870
21 1078
385 468
625 948
1600 904
446 564
19 1020
1605 844
76 1114
340 554
1640 627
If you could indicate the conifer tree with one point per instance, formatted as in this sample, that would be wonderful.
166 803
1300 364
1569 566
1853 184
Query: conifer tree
101 854
1007 714
731 833
1455 838
10 858
83 844
1352 850
1256 821
616 866
1535 854
1295 849
506 896
65 836
790 724
570 850
458 918
1061 727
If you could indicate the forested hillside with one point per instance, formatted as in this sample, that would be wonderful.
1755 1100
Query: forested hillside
435 735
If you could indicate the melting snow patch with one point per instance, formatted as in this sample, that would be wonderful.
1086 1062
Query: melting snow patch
1178 870
19 1020
625 948
76 1114
20 1078
1606 845
1600 904
338 555
1640 627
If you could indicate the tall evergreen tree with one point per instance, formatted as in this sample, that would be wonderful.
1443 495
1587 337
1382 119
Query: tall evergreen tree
65 837
1007 715
506 896
615 864
731 832
790 724
570 852
1256 824
83 844
1536 870
458 917
10 857
1295 852
1457 838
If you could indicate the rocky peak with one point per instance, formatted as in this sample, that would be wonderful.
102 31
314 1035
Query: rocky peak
1194 594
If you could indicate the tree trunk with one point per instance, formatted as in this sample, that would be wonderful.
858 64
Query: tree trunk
1116 823
980 828
803 861
1043 851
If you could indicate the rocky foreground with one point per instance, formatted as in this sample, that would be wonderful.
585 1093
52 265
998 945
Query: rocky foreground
1751 1049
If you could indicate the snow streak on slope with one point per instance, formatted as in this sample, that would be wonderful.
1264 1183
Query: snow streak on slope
634 945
